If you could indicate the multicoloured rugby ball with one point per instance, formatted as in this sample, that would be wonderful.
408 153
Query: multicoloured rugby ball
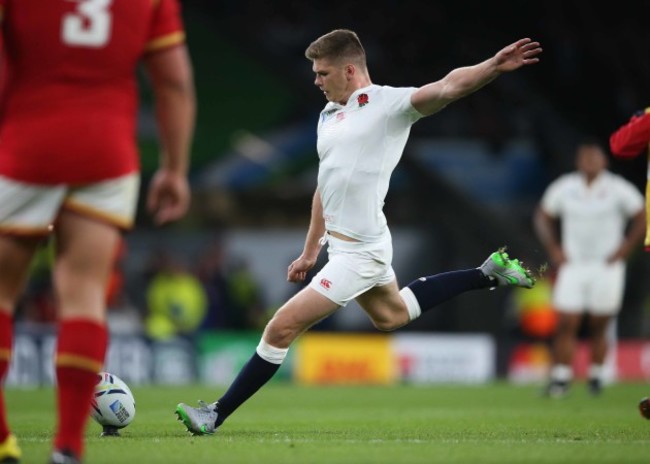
113 405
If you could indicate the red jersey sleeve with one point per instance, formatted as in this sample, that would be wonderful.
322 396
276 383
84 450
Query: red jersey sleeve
632 138
166 26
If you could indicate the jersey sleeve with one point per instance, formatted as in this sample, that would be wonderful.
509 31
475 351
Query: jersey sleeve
632 138
166 27
632 201
551 202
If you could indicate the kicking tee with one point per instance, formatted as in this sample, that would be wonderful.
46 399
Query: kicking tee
359 145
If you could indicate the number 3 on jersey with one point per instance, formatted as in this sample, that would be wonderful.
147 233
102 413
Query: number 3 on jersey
89 25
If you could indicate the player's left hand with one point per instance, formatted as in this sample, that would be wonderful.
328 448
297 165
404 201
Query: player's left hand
514 56
169 196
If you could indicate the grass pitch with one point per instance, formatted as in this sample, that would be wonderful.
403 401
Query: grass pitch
499 423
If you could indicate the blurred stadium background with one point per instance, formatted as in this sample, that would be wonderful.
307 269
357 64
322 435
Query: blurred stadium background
187 302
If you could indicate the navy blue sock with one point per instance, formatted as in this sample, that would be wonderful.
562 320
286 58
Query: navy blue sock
432 290
255 373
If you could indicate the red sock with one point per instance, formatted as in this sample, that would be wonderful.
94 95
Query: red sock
6 341
80 351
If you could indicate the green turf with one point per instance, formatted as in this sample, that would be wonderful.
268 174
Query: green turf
286 424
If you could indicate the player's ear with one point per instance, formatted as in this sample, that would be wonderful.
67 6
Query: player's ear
350 71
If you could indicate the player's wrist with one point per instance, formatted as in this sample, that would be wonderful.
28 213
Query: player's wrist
175 170
310 257
174 164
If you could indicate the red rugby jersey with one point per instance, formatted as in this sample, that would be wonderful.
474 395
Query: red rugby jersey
632 138
69 101
629 141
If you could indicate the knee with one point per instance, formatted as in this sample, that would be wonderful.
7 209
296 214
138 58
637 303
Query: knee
387 325
279 334
568 325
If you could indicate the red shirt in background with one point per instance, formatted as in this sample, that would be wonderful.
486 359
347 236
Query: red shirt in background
629 141
68 90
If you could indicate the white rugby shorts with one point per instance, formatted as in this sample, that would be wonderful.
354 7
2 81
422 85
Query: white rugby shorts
595 288
31 209
353 268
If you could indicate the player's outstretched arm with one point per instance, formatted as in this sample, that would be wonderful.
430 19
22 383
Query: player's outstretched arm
171 77
463 81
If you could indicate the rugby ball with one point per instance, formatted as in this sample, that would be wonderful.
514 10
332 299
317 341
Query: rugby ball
113 405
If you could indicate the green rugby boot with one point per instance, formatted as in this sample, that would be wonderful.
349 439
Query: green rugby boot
506 271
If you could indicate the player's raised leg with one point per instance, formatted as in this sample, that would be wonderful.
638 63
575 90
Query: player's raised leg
302 311
390 309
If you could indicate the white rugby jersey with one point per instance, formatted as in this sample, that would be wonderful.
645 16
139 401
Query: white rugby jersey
359 145
593 218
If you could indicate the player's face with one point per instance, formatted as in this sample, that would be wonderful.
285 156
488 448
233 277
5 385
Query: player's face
591 160
333 80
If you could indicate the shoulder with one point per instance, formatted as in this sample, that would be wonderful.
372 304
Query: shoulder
621 182
616 179
559 188
566 180
396 101
390 91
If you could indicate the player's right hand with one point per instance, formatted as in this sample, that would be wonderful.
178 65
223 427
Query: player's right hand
169 196
298 269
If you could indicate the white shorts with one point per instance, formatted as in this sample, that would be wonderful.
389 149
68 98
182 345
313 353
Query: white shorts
353 268
30 209
595 288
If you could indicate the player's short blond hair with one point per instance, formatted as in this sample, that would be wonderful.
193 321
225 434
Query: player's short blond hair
339 44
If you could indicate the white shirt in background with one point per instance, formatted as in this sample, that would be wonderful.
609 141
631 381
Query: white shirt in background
593 217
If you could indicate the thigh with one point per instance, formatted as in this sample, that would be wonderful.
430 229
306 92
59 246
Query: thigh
302 311
27 212
16 255
384 305
85 250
